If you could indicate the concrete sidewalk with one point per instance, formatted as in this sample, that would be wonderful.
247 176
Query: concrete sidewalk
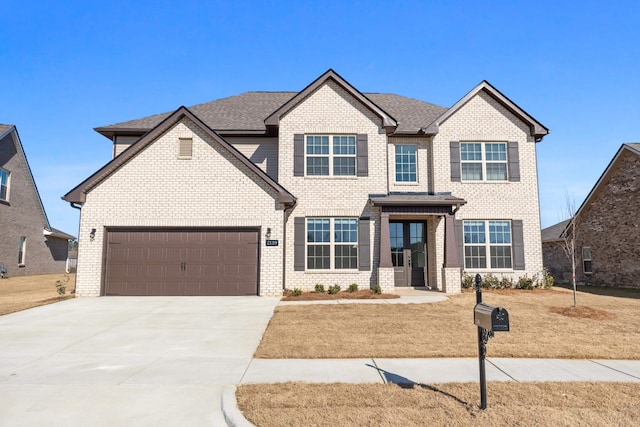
432 371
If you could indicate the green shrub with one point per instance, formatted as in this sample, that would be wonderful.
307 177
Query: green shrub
489 281
467 281
525 282
334 289
353 287
319 288
547 280
297 292
61 285
506 283
376 289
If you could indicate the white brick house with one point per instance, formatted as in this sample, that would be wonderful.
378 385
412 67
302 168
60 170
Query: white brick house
269 190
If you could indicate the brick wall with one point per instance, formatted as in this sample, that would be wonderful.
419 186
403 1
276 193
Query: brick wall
22 215
483 119
156 189
610 225
331 110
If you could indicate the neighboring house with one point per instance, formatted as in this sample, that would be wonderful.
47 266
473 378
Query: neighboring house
269 190
28 244
607 228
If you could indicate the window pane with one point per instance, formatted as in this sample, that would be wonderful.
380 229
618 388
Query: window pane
344 145
318 230
496 152
471 171
318 144
318 257
469 151
4 179
475 257
496 171
346 230
474 232
344 166
317 166
406 163
346 256
500 256
499 232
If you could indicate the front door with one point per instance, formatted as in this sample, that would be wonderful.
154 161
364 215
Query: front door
408 252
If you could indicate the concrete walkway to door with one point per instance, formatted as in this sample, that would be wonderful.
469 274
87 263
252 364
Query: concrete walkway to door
134 361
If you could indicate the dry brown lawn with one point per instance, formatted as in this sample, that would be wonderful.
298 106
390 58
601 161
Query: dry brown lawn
509 404
22 292
543 325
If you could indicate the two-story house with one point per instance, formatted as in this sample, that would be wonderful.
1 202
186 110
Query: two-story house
28 244
269 190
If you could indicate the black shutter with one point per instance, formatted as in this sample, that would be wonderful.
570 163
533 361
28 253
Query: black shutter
518 244
298 154
298 244
362 149
514 161
454 149
364 259
460 242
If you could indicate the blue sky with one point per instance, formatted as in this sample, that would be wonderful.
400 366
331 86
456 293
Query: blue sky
70 66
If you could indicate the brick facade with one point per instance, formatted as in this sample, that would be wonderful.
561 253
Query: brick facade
22 215
157 189
154 188
609 224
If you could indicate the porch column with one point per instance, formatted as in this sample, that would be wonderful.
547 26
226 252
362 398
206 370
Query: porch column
450 244
385 241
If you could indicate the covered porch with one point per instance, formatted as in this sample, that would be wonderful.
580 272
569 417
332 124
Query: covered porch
418 245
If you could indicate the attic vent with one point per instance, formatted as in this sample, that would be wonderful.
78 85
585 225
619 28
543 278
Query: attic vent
185 148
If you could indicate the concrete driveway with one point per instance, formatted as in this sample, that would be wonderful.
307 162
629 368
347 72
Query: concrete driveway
132 361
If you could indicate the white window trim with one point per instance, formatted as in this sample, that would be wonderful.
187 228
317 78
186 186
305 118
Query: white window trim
8 178
332 245
395 174
484 162
331 156
22 251
487 245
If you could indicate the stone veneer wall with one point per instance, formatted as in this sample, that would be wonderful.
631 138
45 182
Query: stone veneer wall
158 189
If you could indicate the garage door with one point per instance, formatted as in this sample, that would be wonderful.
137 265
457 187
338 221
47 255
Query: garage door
181 262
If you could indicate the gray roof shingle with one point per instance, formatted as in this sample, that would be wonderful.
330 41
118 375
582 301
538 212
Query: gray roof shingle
248 110
552 233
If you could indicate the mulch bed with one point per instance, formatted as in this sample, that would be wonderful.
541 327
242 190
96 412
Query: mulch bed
318 296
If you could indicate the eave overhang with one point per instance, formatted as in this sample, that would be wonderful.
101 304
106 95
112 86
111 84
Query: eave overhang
537 130
417 200
78 194
388 122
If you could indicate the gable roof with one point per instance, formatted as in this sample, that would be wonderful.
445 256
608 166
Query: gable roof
633 147
554 232
536 128
274 118
252 113
78 194
10 132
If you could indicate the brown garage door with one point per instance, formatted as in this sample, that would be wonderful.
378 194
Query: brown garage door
181 262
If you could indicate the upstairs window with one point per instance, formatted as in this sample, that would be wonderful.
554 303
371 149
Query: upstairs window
4 184
406 163
330 155
483 161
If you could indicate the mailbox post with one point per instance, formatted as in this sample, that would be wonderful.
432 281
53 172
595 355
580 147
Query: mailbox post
488 319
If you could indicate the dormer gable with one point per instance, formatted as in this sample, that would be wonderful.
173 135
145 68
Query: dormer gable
537 130
388 122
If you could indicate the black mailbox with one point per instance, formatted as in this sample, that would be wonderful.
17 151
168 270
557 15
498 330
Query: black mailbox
491 318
